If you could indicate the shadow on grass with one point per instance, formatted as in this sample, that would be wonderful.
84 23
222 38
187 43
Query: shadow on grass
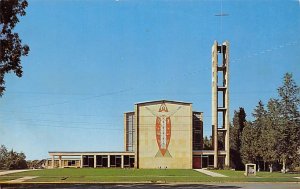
115 186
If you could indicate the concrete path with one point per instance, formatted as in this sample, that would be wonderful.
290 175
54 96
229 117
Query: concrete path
22 179
13 171
210 173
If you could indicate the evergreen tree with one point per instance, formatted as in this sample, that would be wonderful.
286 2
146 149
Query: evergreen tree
248 148
269 135
269 131
289 137
239 120
259 114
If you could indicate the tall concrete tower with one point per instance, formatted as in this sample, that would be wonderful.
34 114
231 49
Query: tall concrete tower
220 103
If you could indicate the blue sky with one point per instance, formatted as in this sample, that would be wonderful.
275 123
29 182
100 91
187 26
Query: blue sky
91 61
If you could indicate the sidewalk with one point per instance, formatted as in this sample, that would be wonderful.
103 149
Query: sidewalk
13 171
210 173
22 179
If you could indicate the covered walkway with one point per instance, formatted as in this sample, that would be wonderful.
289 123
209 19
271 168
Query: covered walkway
90 159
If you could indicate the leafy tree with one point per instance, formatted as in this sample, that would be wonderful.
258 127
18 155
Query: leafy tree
11 159
36 164
3 156
11 47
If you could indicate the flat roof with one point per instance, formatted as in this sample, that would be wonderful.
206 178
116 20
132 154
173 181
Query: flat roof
160 101
76 153
88 152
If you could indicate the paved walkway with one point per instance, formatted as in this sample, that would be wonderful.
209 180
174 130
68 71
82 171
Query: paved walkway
210 173
13 171
22 179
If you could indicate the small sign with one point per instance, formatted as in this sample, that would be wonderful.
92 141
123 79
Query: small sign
250 169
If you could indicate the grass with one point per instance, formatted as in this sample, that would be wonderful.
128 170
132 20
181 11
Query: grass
8 178
112 175
145 175
260 176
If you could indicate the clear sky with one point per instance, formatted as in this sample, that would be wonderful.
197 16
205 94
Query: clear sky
91 61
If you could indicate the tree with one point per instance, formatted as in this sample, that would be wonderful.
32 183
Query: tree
11 159
269 135
277 130
207 143
289 137
3 156
247 151
36 164
11 47
274 135
239 120
259 114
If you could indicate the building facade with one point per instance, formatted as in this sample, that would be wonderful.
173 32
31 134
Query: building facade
157 135
168 134
162 134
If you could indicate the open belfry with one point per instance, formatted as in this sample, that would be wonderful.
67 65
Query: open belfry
166 134
220 102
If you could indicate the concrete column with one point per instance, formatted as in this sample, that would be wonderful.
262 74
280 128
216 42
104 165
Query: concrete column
227 118
191 136
60 163
108 160
125 131
122 161
52 162
95 161
215 101
81 161
201 160
136 136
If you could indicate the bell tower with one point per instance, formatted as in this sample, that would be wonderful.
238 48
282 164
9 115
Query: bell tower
220 103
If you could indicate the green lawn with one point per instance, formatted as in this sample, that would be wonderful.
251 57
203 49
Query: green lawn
113 175
7 178
145 175
260 176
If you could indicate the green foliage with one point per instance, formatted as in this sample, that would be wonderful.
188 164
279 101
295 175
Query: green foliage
269 133
11 159
274 135
11 47
236 130
259 114
207 143
35 164
248 150
289 129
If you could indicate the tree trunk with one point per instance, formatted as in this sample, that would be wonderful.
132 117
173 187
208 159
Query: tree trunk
264 166
283 166
258 167
271 168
